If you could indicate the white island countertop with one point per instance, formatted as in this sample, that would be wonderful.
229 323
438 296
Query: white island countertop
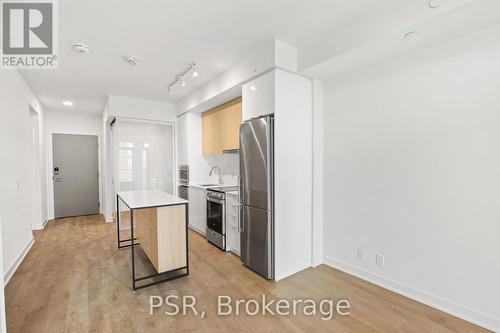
149 198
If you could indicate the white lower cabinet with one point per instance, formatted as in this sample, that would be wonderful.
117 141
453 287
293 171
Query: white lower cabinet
232 224
198 209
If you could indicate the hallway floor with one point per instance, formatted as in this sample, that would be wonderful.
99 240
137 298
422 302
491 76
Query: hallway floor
74 279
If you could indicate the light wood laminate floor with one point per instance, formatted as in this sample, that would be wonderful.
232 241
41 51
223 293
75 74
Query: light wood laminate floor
74 279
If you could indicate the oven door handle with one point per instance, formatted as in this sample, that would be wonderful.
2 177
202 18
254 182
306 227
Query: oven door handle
220 202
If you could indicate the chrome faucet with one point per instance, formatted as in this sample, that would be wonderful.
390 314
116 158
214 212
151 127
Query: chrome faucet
220 174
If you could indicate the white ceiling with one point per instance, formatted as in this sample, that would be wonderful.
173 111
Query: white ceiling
435 30
167 35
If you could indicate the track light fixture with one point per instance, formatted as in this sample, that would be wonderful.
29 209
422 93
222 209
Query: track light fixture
194 71
180 79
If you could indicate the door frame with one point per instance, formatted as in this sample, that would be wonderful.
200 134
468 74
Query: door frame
50 167
36 149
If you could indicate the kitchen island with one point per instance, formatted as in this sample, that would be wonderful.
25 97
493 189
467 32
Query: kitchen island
158 224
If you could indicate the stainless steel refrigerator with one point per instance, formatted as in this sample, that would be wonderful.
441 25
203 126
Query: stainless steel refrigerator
257 195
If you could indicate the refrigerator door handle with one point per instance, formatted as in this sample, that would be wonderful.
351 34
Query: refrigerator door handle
240 190
240 220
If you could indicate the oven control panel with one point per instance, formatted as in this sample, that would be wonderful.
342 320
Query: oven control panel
216 195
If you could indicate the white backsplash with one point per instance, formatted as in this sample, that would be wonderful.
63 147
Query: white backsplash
229 165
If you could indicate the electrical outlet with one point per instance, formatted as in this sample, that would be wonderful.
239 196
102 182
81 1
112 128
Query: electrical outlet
361 254
379 259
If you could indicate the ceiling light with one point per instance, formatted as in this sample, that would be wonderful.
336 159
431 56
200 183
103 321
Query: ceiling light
68 103
81 48
436 3
180 78
252 88
132 60
182 82
410 35
194 72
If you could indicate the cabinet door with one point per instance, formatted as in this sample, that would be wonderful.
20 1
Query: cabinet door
220 127
259 96
198 210
233 229
211 123
231 121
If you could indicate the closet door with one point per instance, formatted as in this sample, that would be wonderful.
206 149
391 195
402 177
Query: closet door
144 156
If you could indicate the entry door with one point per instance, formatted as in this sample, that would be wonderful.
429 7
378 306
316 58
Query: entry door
75 170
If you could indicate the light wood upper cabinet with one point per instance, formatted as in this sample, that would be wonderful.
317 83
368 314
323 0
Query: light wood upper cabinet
210 126
221 128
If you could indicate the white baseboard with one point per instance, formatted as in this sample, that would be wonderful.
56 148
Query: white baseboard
201 232
10 272
316 262
40 226
284 275
109 219
457 310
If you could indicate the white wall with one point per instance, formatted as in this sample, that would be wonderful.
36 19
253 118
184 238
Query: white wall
16 168
70 122
318 173
293 156
127 107
107 203
3 322
227 86
412 171
38 164
229 165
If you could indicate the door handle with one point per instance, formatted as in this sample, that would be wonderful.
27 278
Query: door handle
240 222
240 189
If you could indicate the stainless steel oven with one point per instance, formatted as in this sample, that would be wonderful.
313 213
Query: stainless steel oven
184 174
216 219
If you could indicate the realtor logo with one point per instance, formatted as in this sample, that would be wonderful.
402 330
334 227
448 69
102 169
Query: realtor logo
28 34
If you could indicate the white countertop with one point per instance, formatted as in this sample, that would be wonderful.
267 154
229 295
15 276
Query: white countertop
149 198
203 186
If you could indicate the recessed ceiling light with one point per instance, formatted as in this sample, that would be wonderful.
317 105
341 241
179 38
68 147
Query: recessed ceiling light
410 35
81 48
436 3
252 88
68 103
132 60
